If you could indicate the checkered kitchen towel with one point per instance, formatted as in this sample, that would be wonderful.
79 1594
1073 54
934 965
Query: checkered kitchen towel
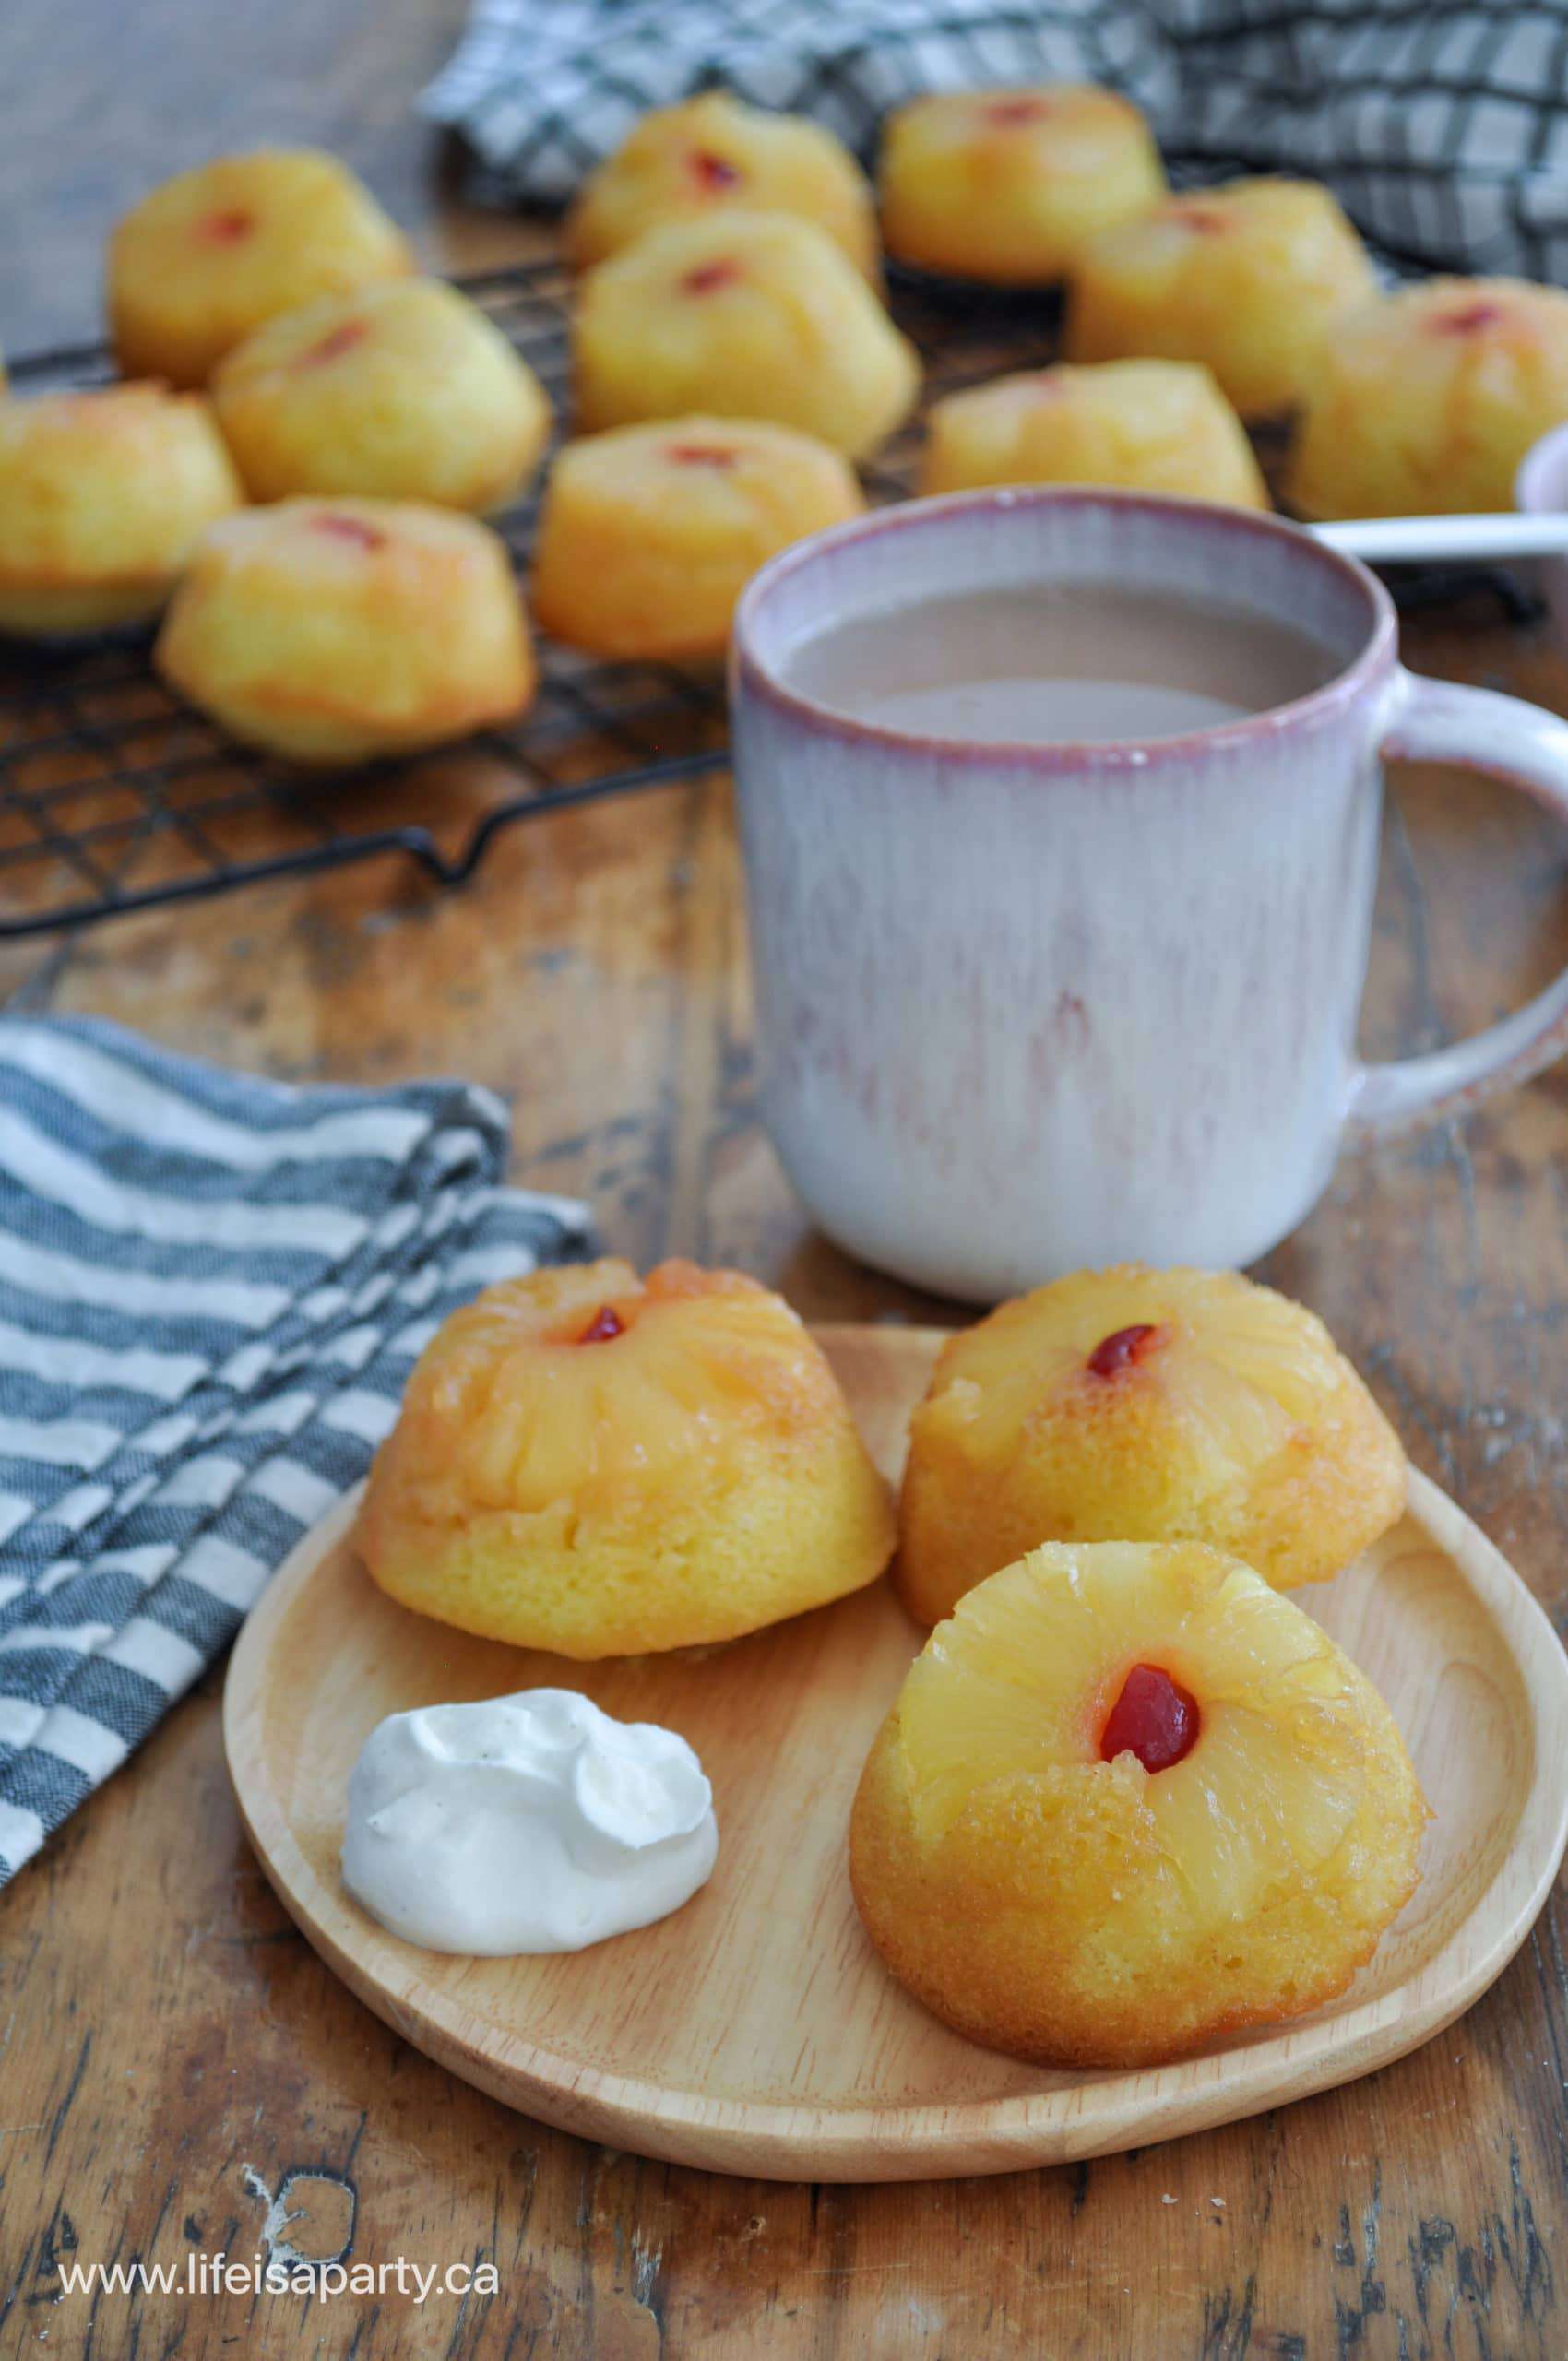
211 1289
1441 124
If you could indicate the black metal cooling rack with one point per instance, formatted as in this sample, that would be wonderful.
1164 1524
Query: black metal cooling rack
116 797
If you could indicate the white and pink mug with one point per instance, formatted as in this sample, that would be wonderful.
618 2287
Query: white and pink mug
1023 1009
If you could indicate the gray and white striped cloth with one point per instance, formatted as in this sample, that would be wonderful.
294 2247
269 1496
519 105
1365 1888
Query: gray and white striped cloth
211 1290
1441 124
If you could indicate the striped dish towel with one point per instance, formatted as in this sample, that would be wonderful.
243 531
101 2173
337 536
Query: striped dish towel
1441 124
211 1290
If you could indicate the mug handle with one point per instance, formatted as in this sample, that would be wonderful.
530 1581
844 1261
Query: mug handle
1441 721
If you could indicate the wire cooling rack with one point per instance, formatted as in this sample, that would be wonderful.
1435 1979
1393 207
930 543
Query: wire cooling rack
116 797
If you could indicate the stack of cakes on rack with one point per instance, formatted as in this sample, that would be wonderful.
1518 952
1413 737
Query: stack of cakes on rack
372 618
732 363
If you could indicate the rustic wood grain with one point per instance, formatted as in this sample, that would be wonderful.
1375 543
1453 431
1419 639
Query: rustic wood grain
170 2050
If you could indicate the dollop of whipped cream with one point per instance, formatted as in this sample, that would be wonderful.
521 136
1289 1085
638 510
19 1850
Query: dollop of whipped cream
526 1824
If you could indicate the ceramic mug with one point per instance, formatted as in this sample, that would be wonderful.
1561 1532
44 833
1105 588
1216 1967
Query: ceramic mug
1023 1009
1540 489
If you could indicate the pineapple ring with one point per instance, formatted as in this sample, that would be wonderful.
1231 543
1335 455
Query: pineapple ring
604 1466
1082 1911
1132 1404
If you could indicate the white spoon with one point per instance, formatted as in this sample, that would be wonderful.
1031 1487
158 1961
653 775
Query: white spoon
1384 540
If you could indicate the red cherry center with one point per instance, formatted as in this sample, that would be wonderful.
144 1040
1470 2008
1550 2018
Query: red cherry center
1467 323
1208 223
713 171
342 340
1154 1718
700 455
1124 1350
711 275
605 1325
225 229
349 528
1007 112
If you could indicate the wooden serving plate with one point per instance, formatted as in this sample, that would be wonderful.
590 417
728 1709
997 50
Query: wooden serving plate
755 2031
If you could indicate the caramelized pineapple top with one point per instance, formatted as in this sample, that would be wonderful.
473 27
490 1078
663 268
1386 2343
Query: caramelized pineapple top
1290 1751
578 1378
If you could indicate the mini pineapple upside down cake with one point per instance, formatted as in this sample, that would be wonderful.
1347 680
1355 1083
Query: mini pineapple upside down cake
204 258
650 534
744 315
1130 1800
713 154
1132 1404
604 1466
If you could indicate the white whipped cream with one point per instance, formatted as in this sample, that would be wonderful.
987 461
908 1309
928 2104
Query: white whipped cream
525 1824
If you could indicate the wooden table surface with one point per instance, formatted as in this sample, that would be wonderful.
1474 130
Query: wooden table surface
171 2052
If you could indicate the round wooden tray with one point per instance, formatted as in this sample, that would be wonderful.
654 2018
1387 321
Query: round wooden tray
755 2031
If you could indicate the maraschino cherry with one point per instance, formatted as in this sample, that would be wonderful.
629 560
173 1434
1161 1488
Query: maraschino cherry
709 276
349 528
1154 1718
1124 1350
713 171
